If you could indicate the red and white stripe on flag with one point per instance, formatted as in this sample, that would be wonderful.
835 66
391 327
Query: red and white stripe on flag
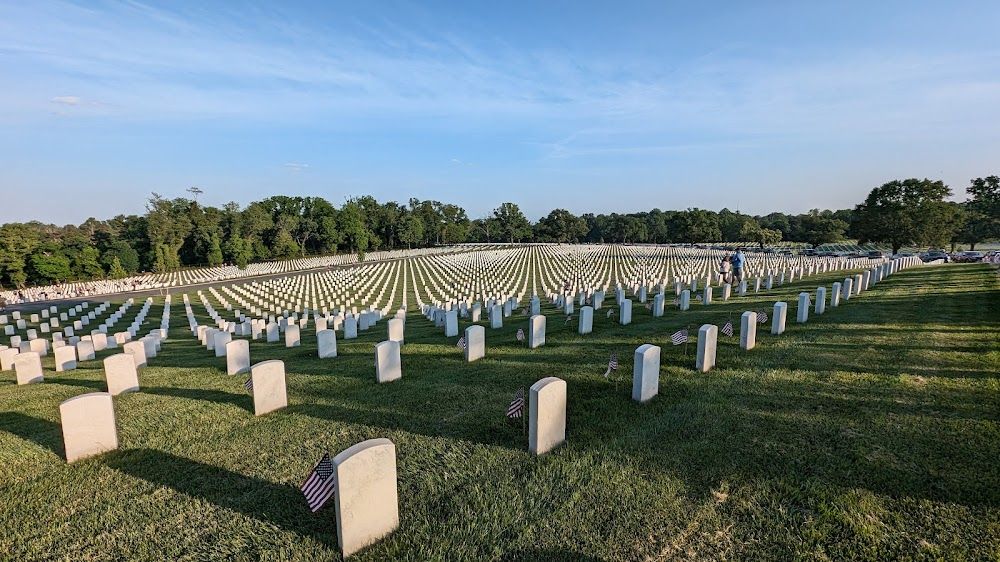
319 487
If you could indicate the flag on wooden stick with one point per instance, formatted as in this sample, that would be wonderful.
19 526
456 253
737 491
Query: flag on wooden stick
679 337
516 408
612 364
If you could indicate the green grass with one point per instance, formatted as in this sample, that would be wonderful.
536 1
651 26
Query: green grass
870 433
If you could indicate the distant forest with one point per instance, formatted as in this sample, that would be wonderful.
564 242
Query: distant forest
180 232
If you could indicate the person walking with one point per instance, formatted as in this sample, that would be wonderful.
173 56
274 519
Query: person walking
738 261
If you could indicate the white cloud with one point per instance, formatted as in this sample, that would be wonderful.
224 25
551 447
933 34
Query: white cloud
67 100
296 167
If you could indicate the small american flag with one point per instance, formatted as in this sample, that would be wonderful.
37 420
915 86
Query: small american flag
676 301
318 488
461 343
611 312
249 384
761 317
612 364
697 298
568 318
679 337
516 408
649 306
524 310
728 328
520 334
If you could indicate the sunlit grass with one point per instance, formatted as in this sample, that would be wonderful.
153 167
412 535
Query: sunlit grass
870 433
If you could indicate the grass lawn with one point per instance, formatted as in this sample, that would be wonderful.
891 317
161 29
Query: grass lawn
870 433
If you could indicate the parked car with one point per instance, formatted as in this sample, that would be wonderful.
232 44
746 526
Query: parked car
969 257
935 255
875 255
903 255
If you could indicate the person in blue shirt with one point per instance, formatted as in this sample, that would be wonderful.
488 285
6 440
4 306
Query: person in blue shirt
738 261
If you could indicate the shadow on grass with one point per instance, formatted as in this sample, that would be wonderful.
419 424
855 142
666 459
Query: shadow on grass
548 555
241 401
95 385
43 432
707 429
265 501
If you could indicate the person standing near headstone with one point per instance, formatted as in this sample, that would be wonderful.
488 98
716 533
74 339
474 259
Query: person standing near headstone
725 267
738 261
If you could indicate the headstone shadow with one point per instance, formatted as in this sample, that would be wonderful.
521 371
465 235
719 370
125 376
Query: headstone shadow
46 433
277 504
242 401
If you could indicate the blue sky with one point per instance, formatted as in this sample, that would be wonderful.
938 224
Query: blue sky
588 106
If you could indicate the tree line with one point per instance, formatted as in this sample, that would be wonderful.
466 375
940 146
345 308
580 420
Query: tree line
180 232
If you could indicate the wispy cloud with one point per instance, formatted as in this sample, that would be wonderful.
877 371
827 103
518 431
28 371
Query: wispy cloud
154 64
295 168
67 100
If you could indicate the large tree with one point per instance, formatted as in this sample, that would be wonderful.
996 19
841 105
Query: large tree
560 225
818 228
752 231
982 211
905 212
512 222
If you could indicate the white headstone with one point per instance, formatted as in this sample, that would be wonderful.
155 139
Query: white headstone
496 317
536 331
451 323
237 357
366 501
221 339
292 336
121 373
137 350
28 367
272 331
475 343
387 362
88 425
350 328
547 415
85 350
65 357
646 372
396 327
802 313
748 330
269 391
778 318
327 343
585 324
708 340
7 358
625 312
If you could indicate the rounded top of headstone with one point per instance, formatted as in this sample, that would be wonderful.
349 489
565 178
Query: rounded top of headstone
538 386
86 397
370 444
269 363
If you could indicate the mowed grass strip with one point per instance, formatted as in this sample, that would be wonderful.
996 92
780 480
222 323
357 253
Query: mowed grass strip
870 433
